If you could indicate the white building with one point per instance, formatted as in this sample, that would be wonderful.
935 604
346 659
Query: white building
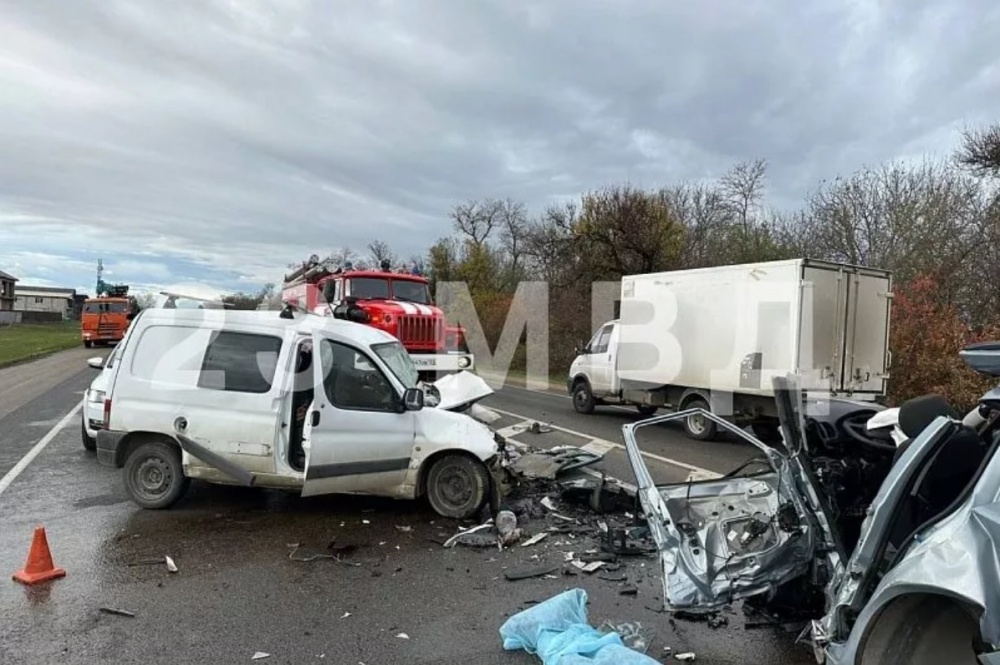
44 299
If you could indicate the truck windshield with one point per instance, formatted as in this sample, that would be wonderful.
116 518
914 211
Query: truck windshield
104 307
395 356
370 287
411 291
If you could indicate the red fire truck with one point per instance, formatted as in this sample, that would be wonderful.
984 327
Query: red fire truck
397 302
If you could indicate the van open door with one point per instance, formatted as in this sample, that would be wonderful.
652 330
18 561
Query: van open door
722 540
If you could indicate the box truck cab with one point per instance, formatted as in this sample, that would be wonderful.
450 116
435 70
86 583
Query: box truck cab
308 403
713 338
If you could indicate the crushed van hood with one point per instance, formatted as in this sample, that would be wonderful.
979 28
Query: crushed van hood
460 390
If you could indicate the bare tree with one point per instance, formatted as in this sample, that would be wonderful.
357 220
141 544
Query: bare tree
743 188
980 150
513 231
379 251
477 219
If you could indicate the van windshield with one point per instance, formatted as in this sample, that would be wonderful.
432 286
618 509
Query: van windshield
395 356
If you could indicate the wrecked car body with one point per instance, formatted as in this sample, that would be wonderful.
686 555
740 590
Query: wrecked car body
888 551
312 404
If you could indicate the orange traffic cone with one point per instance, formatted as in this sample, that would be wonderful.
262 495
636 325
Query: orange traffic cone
39 567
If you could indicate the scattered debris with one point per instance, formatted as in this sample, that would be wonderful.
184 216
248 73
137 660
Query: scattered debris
549 504
530 571
552 462
454 539
685 656
403 636
506 523
365 522
537 538
260 655
299 553
171 566
538 428
117 612
346 614
404 529
629 591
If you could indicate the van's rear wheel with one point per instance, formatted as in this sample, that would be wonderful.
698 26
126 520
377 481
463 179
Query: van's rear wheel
697 426
457 486
154 475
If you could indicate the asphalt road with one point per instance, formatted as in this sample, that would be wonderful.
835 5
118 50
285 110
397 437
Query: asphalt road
239 589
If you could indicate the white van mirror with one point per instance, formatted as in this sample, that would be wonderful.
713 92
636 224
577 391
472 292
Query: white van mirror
413 399
96 363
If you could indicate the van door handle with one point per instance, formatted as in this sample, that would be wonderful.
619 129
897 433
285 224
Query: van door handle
315 418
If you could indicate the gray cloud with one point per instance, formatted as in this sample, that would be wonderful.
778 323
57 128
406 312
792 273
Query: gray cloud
246 134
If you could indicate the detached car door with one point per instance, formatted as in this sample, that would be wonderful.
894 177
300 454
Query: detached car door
357 438
730 538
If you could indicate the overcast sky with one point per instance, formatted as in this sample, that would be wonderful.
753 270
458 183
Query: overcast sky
213 142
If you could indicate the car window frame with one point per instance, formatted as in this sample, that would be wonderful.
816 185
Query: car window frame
214 336
326 389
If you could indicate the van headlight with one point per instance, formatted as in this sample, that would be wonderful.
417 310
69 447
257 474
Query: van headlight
463 362
95 396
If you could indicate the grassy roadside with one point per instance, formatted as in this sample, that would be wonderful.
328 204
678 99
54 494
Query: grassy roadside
25 341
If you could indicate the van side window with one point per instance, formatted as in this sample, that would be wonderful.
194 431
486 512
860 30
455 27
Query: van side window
240 362
352 381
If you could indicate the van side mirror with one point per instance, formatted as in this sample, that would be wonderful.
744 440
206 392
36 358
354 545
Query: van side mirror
329 290
413 399
96 362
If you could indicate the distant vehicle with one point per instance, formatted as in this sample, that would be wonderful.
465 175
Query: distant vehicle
727 331
307 403
399 303
105 319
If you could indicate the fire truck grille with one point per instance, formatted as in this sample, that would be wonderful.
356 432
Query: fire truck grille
419 329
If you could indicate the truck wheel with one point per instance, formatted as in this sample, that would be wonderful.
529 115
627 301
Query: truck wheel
89 444
697 426
646 410
583 397
154 475
457 486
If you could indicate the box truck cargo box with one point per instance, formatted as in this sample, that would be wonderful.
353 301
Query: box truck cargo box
716 337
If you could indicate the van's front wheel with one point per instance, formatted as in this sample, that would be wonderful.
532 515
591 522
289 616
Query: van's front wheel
457 486
154 475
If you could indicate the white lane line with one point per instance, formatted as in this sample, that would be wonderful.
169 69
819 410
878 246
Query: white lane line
37 448
556 394
596 442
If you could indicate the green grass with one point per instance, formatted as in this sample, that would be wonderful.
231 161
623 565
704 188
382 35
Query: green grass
24 341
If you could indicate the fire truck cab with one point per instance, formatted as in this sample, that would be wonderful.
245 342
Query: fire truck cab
399 303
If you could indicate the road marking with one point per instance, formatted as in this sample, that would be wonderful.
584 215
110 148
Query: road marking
596 444
560 395
37 448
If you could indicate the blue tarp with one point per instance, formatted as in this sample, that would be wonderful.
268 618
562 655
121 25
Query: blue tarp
557 631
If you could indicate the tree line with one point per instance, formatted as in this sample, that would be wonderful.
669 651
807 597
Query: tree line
934 224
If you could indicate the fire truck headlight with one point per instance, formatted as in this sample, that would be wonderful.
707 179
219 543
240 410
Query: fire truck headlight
463 362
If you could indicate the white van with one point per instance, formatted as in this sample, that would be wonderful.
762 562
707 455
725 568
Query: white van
303 402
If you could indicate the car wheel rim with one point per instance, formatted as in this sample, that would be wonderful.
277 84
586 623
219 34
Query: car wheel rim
581 398
153 477
455 486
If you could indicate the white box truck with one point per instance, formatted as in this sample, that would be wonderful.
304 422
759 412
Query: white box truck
714 337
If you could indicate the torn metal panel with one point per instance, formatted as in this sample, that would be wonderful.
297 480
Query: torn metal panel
550 463
722 540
